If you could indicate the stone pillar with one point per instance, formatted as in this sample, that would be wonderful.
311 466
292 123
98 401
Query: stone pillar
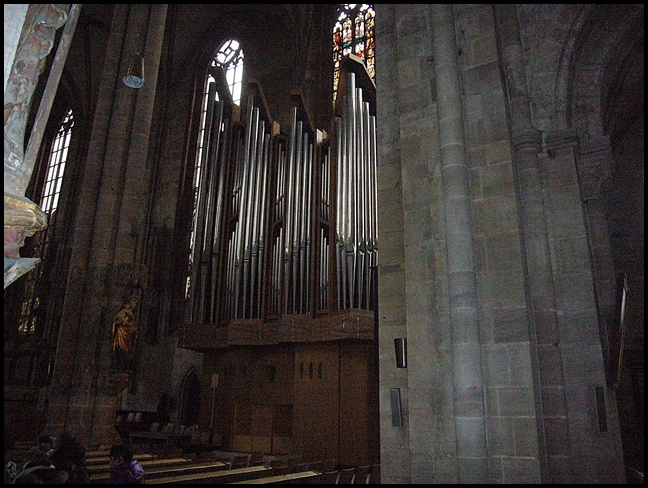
590 417
392 279
469 412
544 337
106 262
593 166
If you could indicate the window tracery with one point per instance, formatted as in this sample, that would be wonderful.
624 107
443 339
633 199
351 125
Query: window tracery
353 34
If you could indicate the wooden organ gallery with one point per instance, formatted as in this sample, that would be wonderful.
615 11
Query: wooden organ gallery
281 293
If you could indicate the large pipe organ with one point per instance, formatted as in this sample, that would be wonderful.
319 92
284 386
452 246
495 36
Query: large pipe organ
285 224
281 293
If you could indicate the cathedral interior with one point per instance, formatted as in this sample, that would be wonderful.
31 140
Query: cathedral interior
395 234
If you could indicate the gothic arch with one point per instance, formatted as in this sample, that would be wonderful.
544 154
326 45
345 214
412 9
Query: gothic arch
189 404
564 78
598 38
604 103
622 84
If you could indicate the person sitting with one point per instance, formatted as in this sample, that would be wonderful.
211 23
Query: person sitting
124 470
69 459
44 447
11 462
39 470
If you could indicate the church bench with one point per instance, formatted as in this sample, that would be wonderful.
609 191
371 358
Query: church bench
224 476
148 464
166 471
100 460
97 453
300 477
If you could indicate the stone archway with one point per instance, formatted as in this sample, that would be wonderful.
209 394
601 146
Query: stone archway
189 411
606 104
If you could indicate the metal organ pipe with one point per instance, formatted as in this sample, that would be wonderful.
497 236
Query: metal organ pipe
295 223
247 217
308 202
356 208
289 217
278 232
216 241
208 247
276 223
351 193
263 185
339 243
373 209
197 278
256 162
242 220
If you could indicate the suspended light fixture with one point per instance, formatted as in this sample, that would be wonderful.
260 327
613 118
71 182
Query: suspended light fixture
135 73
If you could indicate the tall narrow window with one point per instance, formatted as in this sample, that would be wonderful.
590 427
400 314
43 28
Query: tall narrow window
56 166
48 203
228 62
230 58
353 33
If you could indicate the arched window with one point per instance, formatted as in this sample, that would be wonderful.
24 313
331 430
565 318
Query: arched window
353 34
226 69
48 203
190 399
230 58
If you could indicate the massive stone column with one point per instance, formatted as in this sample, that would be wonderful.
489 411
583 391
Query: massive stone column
22 217
590 415
469 411
567 369
541 301
106 265
394 439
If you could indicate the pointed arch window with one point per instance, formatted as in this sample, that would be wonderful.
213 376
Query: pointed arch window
230 58
354 34
48 203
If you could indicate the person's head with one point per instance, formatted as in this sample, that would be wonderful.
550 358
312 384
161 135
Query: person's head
120 454
69 446
66 439
46 441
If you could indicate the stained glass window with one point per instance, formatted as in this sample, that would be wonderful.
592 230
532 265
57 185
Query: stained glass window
353 33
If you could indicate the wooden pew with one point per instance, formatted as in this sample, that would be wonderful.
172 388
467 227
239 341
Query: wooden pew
148 464
96 460
96 454
289 478
216 477
166 471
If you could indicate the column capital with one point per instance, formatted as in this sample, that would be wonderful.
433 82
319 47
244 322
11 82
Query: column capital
558 139
595 147
526 139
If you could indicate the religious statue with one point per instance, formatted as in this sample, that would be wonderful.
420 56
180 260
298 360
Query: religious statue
124 336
